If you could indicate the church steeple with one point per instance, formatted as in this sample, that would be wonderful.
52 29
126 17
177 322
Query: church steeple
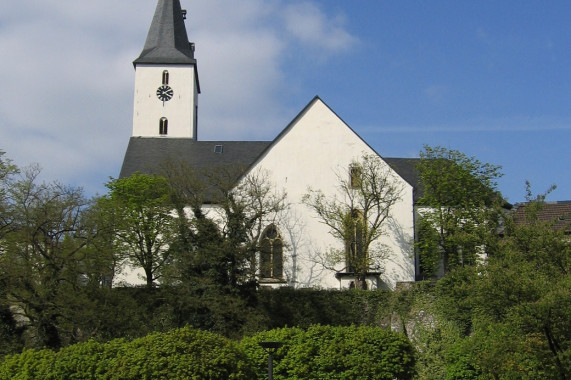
166 78
167 41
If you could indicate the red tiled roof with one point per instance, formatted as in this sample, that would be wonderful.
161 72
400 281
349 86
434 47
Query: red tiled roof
558 213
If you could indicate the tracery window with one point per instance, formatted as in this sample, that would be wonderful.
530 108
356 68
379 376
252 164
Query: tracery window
271 253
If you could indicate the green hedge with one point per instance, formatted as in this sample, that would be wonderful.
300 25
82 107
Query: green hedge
306 307
327 352
320 352
30 364
180 354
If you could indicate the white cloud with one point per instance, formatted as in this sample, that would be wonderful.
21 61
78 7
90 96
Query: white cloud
68 80
306 22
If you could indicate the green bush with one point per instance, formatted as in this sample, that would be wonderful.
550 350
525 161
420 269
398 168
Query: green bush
327 352
179 354
320 352
30 364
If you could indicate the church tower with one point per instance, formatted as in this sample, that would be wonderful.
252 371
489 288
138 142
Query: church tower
166 78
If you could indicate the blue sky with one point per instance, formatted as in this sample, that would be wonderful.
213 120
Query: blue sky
491 79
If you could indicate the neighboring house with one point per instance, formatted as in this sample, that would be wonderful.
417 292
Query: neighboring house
556 213
312 151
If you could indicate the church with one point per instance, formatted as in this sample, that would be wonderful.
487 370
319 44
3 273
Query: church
311 152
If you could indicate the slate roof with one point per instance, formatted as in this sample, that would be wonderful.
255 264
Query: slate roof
147 154
406 168
558 213
167 41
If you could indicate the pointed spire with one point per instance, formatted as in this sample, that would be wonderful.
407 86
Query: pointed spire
167 41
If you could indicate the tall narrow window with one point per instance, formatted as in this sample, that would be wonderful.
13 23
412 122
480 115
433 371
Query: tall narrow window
163 126
166 77
355 176
271 255
355 253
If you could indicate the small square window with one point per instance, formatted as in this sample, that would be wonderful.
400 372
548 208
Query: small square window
217 148
355 174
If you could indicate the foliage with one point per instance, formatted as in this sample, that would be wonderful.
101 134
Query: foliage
7 172
138 207
326 352
428 248
258 358
10 332
505 318
461 204
358 216
522 296
30 364
182 354
135 312
44 259
218 245
306 307
320 352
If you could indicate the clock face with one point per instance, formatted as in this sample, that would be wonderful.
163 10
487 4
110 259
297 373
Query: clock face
164 93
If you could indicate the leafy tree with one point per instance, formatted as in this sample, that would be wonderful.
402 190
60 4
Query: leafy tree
9 332
357 217
43 259
462 205
523 291
139 209
510 314
220 242
7 172
247 208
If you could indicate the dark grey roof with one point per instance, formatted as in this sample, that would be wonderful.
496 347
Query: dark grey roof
167 41
147 154
406 168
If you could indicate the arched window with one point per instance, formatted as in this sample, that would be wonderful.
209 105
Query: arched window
163 126
355 255
271 253
166 77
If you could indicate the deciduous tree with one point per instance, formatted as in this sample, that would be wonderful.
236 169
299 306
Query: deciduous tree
43 259
7 172
462 205
140 211
358 214
221 216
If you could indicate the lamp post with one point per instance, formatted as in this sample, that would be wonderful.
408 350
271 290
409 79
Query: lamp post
271 348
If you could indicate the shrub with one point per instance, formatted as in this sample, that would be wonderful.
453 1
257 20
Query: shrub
179 354
30 364
326 352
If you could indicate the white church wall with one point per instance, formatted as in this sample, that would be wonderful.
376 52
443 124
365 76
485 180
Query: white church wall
311 153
